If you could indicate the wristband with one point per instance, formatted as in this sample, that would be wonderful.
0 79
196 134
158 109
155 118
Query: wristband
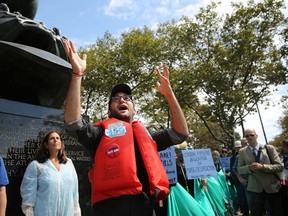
78 75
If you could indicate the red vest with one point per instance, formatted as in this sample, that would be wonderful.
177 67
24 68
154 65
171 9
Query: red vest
114 173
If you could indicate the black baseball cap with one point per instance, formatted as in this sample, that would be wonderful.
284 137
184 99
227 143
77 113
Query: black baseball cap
121 88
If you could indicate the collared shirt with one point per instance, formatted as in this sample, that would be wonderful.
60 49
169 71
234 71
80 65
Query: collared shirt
257 147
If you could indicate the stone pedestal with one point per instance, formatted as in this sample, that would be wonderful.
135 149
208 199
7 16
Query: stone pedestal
22 127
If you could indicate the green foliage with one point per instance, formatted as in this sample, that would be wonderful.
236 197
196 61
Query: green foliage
220 67
283 122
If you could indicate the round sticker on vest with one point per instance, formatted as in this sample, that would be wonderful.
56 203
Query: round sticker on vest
113 150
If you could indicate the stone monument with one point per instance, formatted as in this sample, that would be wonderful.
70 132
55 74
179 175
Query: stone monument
35 76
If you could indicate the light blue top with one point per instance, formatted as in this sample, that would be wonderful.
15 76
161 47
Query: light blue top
49 191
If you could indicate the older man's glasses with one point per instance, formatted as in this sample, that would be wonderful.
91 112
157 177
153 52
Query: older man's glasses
249 135
124 97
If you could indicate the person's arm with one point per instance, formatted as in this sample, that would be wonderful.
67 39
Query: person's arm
179 123
28 189
73 99
3 201
77 210
204 183
242 167
3 182
275 165
242 180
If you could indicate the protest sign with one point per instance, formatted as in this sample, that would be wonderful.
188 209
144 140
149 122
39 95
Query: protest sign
225 163
198 163
169 162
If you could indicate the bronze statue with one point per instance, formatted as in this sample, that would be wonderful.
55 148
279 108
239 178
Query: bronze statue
34 67
35 70
27 8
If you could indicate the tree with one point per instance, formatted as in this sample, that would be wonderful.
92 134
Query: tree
229 55
283 123
101 65
220 67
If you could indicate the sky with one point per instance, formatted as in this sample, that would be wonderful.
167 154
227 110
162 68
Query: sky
83 21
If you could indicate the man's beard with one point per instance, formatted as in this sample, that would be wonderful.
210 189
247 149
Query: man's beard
119 116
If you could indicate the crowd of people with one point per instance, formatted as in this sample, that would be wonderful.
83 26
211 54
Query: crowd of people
233 193
128 177
255 183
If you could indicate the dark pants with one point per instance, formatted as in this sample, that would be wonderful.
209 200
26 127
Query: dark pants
128 205
272 202
242 199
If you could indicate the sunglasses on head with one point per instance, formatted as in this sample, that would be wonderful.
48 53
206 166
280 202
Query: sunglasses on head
249 135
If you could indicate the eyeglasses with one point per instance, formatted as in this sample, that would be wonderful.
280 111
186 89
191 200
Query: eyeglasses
249 135
124 97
